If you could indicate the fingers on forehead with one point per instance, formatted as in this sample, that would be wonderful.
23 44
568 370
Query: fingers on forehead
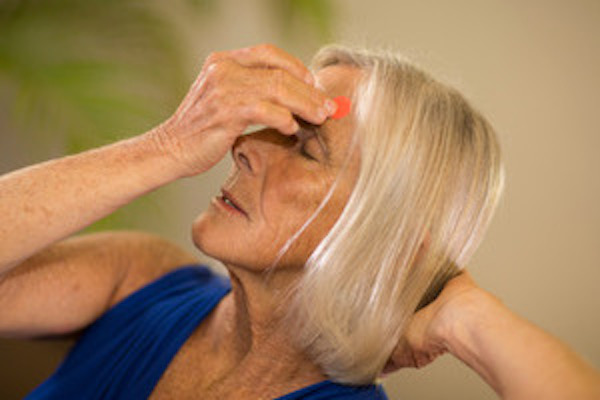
269 56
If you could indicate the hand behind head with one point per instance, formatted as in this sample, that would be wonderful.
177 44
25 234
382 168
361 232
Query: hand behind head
424 340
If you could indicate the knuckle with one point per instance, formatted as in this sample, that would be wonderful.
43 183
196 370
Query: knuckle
247 112
214 57
209 72
257 111
278 83
219 70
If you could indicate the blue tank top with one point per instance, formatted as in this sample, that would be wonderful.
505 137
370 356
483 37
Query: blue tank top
123 354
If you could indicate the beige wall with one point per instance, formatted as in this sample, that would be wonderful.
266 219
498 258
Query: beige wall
532 68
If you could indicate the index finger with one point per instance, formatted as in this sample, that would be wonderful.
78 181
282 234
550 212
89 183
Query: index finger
269 56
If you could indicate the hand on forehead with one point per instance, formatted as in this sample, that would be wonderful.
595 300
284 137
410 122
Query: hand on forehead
338 82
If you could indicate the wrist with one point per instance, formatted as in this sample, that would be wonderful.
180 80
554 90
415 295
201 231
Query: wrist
183 156
466 335
144 161
463 317
160 149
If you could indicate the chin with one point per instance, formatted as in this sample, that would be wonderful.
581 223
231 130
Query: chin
201 232
225 240
219 240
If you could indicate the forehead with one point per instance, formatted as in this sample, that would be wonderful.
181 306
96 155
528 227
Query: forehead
338 80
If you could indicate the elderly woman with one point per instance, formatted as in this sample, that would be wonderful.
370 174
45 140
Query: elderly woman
334 231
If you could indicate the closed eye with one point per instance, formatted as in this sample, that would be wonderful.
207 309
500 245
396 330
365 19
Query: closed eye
310 141
303 149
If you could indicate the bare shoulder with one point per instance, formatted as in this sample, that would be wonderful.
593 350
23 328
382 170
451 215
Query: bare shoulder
146 257
70 284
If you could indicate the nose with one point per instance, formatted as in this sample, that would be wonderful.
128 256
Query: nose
252 152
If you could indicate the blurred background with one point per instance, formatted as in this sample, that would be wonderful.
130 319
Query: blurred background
75 74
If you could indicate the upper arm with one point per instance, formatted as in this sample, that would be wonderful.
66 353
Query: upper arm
70 284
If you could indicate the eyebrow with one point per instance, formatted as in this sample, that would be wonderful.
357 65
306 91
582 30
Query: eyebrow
317 131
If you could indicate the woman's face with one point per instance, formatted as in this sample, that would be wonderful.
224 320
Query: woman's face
276 183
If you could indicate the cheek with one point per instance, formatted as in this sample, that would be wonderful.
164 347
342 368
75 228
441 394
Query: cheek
326 218
291 206
330 213
290 199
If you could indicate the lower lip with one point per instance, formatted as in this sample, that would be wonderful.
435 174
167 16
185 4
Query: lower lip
227 207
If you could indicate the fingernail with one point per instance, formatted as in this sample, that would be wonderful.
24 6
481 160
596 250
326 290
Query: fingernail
295 127
322 113
331 106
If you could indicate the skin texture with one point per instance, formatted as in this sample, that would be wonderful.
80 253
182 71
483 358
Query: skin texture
51 285
38 272
236 89
273 176
257 86
516 358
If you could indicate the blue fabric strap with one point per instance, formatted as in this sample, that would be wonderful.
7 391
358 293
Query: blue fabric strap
328 390
123 354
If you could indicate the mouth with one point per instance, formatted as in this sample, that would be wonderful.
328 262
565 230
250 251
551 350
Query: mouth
230 203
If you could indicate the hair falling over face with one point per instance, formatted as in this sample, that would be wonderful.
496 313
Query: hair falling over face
430 168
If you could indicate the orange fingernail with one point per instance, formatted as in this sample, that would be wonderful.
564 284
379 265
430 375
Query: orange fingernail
343 107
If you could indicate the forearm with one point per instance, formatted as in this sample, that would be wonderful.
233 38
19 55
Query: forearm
47 202
519 360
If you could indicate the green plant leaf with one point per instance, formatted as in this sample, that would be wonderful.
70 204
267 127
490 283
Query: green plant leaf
83 73
317 13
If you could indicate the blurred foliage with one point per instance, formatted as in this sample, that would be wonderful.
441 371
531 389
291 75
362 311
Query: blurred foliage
87 71
83 73
317 13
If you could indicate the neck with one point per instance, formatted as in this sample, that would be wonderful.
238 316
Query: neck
248 325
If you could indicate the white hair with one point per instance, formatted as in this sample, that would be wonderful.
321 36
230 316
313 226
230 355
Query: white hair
430 169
